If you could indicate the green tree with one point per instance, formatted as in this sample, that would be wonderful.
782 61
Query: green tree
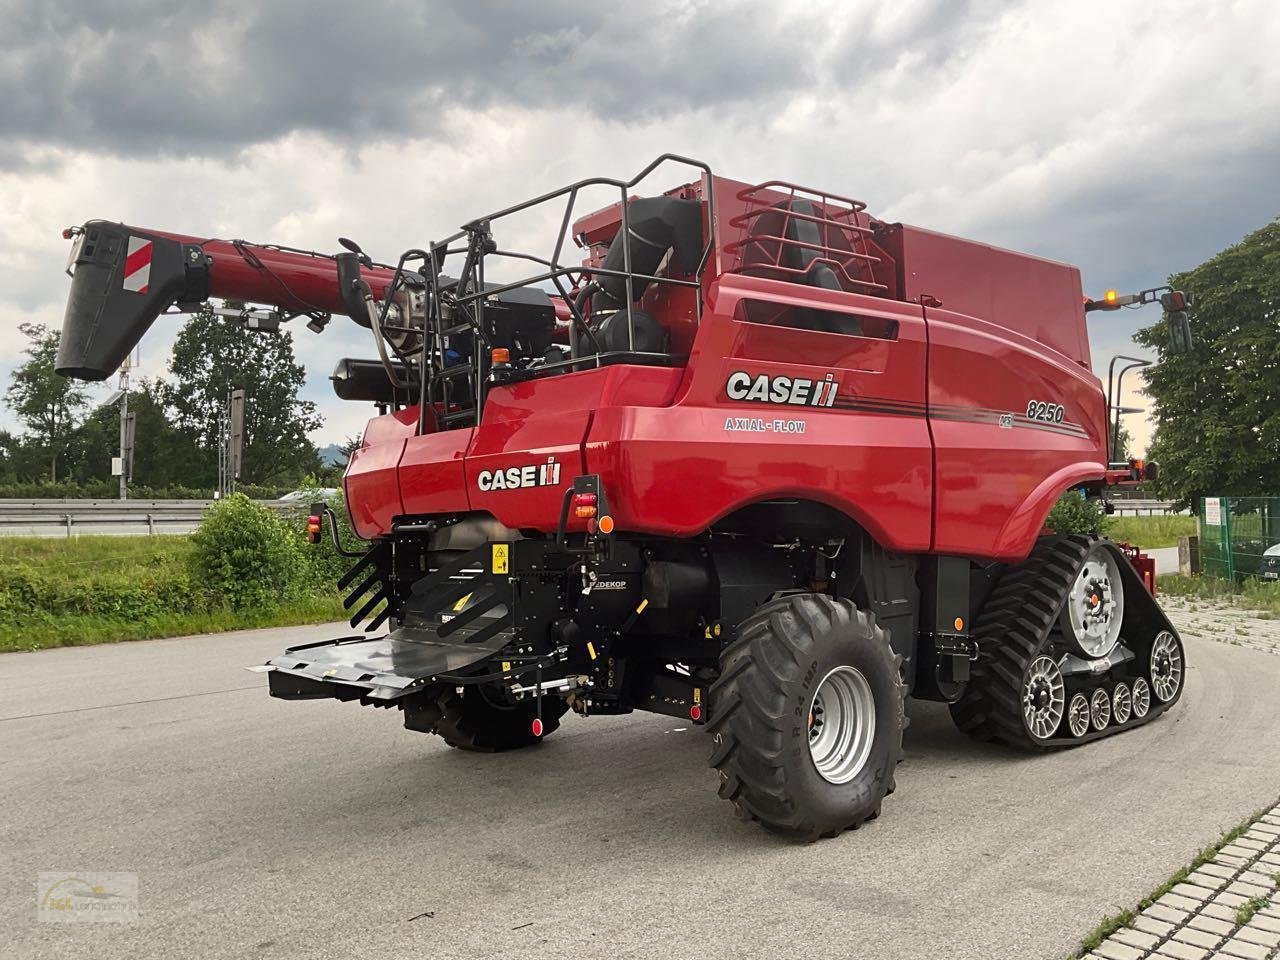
1217 408
163 456
213 356
46 403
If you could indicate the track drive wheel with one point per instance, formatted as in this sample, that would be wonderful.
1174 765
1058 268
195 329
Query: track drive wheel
807 717
484 719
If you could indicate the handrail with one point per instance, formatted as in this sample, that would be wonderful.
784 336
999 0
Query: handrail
473 293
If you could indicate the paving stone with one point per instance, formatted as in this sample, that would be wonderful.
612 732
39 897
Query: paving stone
1247 890
1253 876
1251 843
1181 951
1205 881
1118 951
1243 950
1220 911
1159 928
1161 911
1179 902
1230 899
1135 938
1234 851
1264 938
1215 925
1197 938
1231 860
1267 920
1192 892
1216 870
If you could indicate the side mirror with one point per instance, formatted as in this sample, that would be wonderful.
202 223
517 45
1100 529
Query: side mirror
354 247
1175 304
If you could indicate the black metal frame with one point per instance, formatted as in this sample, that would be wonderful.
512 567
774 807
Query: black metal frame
463 310
1114 410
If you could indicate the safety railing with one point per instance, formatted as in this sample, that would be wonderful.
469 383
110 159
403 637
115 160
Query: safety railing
838 219
461 309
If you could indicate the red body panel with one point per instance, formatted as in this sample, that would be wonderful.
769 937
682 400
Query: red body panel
264 274
371 484
950 423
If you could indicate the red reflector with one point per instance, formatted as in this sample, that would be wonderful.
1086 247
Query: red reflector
695 713
537 726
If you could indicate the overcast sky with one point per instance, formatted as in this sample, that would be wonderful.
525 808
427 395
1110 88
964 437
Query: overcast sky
1132 138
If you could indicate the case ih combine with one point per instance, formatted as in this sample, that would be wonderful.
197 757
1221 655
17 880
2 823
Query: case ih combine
760 461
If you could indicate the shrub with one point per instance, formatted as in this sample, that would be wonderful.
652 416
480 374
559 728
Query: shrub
246 556
1076 513
324 564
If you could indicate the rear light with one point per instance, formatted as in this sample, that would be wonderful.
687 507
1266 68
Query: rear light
313 528
584 505
1173 300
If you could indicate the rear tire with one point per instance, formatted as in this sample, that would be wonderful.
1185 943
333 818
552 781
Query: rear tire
481 720
799 663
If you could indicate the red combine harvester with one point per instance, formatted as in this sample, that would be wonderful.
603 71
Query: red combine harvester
760 461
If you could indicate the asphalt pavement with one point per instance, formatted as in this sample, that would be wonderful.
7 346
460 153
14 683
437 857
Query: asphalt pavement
261 828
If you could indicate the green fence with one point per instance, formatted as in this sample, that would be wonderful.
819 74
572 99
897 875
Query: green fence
1235 535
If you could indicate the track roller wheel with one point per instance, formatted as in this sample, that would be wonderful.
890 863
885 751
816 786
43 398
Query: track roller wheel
484 719
1121 703
1141 695
807 717
1078 715
1166 666
1100 709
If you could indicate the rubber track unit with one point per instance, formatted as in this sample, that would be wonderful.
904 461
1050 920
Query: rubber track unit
1014 628
750 715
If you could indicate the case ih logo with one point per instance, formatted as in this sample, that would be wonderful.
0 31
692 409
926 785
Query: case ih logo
516 478
798 391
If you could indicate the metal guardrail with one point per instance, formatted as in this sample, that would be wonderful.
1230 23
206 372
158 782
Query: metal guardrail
68 518
1148 507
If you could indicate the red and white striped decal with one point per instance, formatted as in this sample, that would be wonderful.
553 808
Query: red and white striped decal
137 265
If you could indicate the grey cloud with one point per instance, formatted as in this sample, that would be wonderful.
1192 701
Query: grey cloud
208 77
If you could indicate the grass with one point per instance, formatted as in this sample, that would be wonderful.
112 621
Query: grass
89 630
1150 532
1246 910
1113 922
1253 594
91 590
78 557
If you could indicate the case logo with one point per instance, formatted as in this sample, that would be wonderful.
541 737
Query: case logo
796 391
516 478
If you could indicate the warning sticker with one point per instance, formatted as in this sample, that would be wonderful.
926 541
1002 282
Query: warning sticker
501 558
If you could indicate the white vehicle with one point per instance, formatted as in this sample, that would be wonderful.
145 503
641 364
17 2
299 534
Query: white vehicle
1270 566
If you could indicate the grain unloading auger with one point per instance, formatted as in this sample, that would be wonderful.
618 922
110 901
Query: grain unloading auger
759 460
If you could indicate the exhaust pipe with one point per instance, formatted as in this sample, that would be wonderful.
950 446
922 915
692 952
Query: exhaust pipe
122 279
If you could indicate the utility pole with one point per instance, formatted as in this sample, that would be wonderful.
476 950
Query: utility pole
126 454
230 442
